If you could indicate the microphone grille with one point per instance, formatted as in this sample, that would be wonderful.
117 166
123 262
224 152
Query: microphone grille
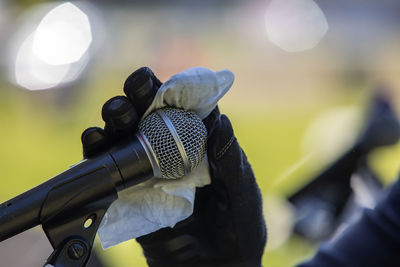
177 140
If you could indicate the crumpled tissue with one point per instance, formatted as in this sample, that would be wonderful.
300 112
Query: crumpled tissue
159 203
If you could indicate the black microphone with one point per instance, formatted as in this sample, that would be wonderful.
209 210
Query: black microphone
169 144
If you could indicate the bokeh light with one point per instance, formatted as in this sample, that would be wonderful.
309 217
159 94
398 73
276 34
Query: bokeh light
56 51
331 133
280 216
295 25
34 74
63 35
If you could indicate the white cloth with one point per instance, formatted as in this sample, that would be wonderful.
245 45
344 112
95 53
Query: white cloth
159 203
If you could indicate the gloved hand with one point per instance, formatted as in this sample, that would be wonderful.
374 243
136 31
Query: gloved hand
227 227
382 126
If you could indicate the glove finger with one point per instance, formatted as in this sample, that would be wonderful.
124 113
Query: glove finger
119 113
211 120
234 183
94 140
141 87
120 117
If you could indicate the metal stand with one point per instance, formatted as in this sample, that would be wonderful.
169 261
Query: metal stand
70 225
72 235
71 205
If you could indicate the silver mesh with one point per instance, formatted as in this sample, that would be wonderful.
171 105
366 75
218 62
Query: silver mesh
191 134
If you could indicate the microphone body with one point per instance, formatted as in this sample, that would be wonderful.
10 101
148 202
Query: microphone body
170 143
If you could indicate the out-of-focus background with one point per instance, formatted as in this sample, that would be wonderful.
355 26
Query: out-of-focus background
304 73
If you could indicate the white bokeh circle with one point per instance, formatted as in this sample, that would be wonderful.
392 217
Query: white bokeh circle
295 25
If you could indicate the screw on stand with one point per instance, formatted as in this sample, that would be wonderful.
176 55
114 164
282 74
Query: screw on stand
76 250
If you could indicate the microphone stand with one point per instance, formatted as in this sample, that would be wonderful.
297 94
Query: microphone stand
72 237
72 232
70 213
71 205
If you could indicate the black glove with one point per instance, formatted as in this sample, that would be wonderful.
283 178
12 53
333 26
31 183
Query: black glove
227 227
382 126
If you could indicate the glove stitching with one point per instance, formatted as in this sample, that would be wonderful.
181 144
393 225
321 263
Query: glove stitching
225 148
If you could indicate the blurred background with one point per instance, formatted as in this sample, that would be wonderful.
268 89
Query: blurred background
305 72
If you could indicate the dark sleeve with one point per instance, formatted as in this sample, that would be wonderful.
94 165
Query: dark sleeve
374 240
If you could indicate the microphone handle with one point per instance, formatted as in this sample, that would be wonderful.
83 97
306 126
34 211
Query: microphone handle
124 165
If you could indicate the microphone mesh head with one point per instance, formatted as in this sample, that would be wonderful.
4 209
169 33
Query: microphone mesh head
177 139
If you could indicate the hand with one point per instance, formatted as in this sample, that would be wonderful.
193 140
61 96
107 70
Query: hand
382 126
227 227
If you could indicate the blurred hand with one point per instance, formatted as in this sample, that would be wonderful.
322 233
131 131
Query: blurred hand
227 227
382 127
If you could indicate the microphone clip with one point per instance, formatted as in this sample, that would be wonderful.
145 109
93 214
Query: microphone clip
71 232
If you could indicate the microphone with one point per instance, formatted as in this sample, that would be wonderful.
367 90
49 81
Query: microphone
169 144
